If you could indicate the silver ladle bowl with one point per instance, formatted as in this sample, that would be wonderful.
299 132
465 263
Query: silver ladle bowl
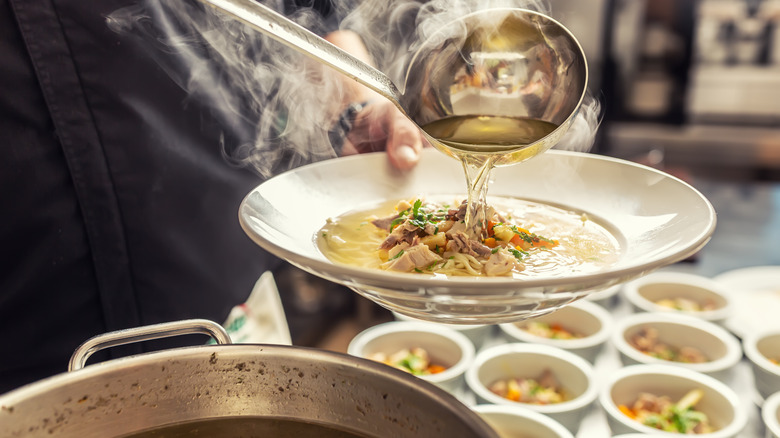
505 62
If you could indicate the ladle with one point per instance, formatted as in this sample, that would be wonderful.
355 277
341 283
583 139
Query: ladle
500 83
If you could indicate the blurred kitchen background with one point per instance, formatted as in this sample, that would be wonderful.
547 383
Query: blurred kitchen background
694 84
690 87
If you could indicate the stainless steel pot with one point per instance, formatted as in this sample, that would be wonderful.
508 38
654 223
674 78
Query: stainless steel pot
154 390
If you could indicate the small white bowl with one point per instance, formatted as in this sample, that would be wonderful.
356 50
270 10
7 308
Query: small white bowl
760 348
505 361
646 291
638 435
720 403
590 320
606 297
477 333
676 330
770 415
519 422
445 347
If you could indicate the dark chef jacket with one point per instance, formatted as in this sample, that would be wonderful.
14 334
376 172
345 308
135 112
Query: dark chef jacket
117 206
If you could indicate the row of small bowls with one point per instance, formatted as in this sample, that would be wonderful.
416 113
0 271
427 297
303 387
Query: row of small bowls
472 365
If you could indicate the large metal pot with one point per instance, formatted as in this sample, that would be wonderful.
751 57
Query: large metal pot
154 390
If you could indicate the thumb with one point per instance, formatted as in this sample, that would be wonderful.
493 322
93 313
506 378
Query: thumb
404 143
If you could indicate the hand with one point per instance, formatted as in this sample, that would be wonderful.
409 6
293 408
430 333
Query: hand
381 126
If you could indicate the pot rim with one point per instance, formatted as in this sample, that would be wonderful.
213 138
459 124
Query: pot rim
405 382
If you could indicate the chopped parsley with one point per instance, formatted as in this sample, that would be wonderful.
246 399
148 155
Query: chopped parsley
400 253
523 235
397 221
419 217
517 253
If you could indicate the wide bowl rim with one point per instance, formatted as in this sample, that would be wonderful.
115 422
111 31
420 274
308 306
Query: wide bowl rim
457 327
582 401
738 423
733 348
466 285
468 352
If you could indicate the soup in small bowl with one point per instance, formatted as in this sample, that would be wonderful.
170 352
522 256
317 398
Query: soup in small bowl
581 328
763 351
669 400
542 378
431 352
694 295
679 340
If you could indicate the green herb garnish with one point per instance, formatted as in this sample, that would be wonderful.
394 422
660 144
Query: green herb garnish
400 253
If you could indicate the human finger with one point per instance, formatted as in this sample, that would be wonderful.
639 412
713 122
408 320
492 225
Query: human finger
404 142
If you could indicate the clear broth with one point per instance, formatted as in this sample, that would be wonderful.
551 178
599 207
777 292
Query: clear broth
489 134
585 245
482 142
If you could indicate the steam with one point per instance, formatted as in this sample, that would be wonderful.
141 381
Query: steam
274 105
582 132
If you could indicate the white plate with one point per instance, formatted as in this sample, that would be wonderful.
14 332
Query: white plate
656 218
755 293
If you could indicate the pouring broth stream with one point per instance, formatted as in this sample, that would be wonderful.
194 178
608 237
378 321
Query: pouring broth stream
473 238
482 142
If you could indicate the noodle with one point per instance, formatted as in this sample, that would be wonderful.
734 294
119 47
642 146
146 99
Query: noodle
522 239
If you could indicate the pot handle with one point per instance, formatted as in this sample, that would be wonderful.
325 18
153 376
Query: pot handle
128 336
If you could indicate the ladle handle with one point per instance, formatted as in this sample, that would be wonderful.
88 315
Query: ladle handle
296 37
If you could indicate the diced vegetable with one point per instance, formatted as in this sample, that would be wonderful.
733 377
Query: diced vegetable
661 413
414 361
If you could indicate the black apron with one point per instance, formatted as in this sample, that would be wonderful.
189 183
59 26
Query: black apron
118 207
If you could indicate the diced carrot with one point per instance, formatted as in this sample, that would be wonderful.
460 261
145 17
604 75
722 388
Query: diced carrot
515 240
628 412
435 369
545 243
490 226
513 395
490 242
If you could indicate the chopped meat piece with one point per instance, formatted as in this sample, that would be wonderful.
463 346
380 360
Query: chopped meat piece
459 213
501 262
647 341
405 232
385 222
547 379
457 227
649 402
461 243
691 355
411 257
